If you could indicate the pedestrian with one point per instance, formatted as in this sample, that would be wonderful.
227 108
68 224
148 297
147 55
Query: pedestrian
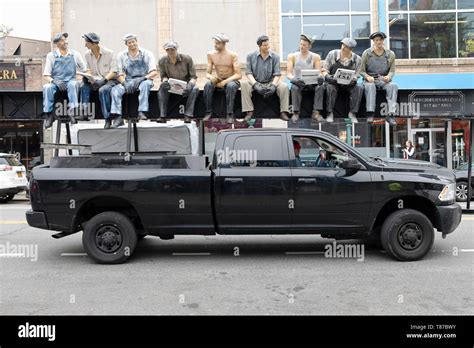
409 150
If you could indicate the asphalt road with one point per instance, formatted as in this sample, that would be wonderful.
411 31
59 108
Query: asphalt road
202 275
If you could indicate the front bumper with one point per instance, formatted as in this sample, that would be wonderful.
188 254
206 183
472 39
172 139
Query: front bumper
37 219
449 217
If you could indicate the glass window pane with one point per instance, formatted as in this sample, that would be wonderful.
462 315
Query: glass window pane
360 5
268 153
325 6
466 34
397 5
326 31
361 33
425 5
433 36
291 29
290 6
398 25
466 4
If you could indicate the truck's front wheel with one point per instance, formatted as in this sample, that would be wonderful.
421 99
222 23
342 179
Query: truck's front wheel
407 235
109 237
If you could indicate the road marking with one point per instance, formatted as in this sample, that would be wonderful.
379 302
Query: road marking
73 254
12 255
191 254
468 250
13 222
471 218
304 252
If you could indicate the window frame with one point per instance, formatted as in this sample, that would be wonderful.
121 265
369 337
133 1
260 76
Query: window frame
409 12
300 14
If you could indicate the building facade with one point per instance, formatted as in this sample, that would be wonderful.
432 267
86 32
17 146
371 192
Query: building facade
433 41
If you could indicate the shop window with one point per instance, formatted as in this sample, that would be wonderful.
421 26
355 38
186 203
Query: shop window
424 5
466 34
399 35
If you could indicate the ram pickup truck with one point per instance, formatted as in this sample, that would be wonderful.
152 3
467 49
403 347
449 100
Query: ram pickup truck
259 181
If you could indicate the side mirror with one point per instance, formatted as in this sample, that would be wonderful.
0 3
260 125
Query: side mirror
352 164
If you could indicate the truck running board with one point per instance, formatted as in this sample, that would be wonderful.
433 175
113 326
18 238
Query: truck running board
62 234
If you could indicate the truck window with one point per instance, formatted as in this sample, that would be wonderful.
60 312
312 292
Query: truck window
312 152
257 151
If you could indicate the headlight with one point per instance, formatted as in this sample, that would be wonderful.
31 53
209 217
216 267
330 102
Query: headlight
448 193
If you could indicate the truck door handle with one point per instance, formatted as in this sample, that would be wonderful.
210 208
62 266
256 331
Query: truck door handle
307 180
234 180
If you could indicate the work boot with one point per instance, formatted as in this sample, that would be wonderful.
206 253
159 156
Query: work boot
353 117
330 117
187 119
108 123
207 117
295 117
391 120
284 116
142 116
161 119
49 120
230 118
370 117
118 121
317 116
249 116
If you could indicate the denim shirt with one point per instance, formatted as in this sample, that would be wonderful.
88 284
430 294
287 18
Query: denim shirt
263 70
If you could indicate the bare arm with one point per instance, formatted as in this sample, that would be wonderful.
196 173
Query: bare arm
289 67
210 65
317 62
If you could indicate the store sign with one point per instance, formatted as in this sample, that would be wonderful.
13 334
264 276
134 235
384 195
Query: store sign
438 103
12 77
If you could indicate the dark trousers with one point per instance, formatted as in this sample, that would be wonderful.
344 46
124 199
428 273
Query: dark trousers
296 96
355 96
164 96
230 92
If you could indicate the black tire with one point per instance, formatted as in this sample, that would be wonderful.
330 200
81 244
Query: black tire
109 238
407 235
461 191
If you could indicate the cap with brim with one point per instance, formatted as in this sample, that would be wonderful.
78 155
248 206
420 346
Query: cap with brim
58 37
262 38
221 38
350 43
306 38
129 37
91 37
170 44
378 33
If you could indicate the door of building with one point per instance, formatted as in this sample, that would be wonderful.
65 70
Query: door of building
429 145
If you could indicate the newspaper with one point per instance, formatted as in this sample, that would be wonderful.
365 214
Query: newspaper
90 77
310 76
177 86
344 76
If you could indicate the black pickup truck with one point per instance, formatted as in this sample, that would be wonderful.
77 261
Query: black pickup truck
265 181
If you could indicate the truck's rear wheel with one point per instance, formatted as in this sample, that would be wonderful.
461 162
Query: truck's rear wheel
407 235
109 237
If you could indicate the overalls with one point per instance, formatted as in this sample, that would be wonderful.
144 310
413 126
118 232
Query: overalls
296 92
135 68
379 66
355 92
64 69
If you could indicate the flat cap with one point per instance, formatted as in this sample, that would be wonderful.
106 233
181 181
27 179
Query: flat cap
262 38
377 33
58 37
221 37
306 38
91 37
349 43
170 44
129 36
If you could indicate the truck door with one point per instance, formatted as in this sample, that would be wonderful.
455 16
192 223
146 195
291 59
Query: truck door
327 197
253 183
